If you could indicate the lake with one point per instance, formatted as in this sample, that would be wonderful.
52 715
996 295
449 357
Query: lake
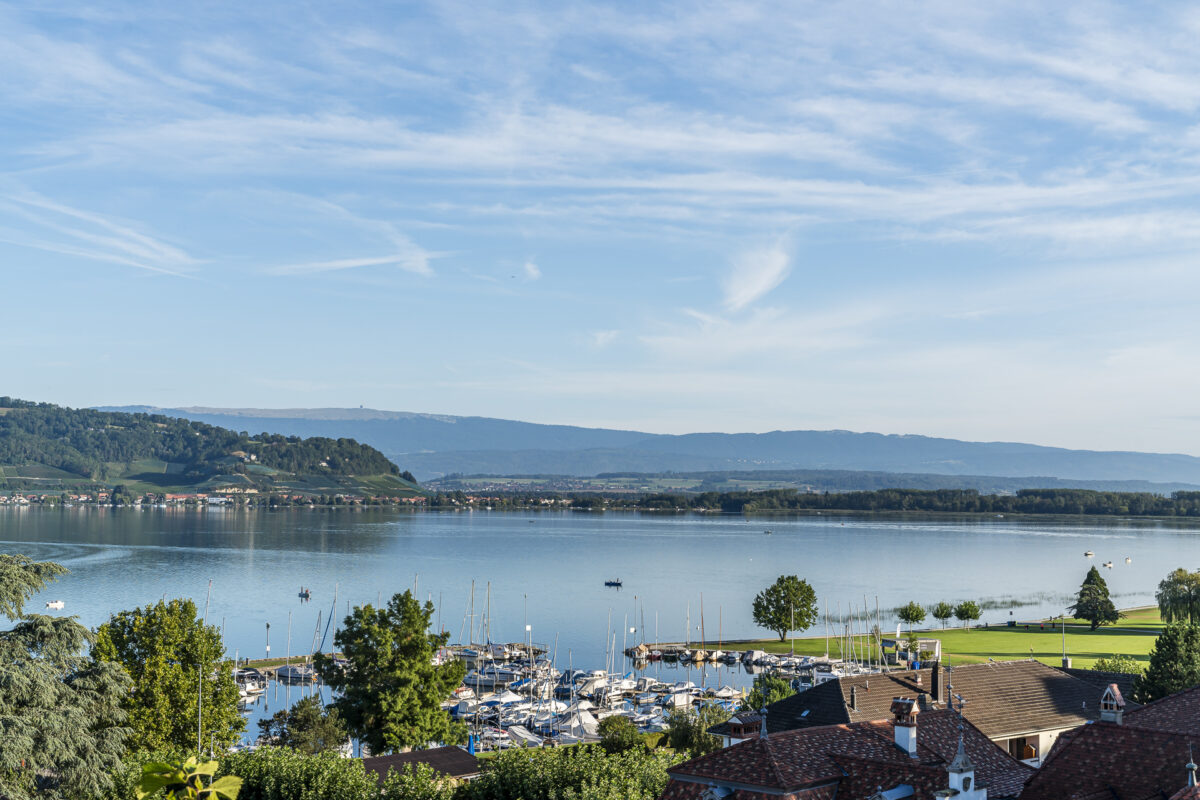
547 570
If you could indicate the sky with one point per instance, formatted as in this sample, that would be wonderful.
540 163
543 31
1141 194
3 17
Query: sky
955 219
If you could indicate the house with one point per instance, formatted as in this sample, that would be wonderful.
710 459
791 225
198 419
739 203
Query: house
1140 754
1022 706
916 754
453 762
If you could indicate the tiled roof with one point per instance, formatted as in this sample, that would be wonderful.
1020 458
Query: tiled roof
1177 713
452 761
1113 762
1101 680
854 756
1003 698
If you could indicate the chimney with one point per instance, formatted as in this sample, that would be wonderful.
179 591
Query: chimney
854 698
935 681
904 711
1112 705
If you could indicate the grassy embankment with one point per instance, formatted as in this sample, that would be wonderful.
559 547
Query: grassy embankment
1134 636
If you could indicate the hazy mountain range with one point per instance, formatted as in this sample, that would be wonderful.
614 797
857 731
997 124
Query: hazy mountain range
432 445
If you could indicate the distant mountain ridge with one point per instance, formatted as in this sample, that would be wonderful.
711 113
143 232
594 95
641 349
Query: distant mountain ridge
432 445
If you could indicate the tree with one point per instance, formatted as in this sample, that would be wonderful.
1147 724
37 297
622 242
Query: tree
1118 662
789 604
768 688
912 613
942 612
1174 663
687 729
174 659
618 734
306 727
967 611
1093 602
187 780
64 731
1178 597
390 690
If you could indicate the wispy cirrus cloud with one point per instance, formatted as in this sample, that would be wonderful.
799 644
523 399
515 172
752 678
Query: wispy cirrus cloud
754 274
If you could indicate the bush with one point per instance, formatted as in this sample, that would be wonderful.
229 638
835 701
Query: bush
1126 665
585 772
618 734
418 782
278 773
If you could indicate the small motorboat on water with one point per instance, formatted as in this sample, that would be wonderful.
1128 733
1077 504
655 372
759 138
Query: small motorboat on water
1128 560
613 582
305 593
1107 564
1088 554
57 605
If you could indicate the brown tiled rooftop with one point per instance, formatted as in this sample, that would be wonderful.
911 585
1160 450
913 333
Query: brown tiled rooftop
451 761
1003 698
854 757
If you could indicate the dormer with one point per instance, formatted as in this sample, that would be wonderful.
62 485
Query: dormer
744 725
904 715
1112 705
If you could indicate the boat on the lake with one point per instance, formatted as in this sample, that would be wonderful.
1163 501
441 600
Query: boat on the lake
613 582
57 605
1088 554
1107 564
296 673
305 593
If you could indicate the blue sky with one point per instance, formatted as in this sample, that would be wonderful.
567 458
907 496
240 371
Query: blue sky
952 219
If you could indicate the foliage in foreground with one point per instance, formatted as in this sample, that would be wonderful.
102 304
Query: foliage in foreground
789 604
1174 664
62 730
618 734
186 780
571 773
172 657
277 773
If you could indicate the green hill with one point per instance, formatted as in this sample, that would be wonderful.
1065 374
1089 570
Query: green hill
48 447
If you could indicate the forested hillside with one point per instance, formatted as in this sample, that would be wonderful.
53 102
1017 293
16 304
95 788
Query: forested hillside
102 445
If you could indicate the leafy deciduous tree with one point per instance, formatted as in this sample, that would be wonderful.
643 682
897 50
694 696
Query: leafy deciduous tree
967 611
173 658
618 734
391 691
942 611
1178 597
913 613
768 688
1118 662
306 727
687 729
789 604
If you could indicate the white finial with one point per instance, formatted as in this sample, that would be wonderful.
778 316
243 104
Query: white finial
1191 767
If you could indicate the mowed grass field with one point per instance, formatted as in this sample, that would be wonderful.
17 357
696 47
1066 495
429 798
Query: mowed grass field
1134 636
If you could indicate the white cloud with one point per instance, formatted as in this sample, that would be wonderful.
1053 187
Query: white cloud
415 261
755 274
532 273
603 339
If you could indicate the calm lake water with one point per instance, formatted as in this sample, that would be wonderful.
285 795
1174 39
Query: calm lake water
547 570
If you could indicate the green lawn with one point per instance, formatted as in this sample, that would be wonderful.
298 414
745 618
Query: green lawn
960 646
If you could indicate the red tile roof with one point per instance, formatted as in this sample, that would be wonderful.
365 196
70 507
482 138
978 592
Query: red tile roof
1177 713
1114 762
856 757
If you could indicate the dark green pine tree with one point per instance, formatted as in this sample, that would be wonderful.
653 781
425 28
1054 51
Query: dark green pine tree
391 692
1093 602
1174 664
64 731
